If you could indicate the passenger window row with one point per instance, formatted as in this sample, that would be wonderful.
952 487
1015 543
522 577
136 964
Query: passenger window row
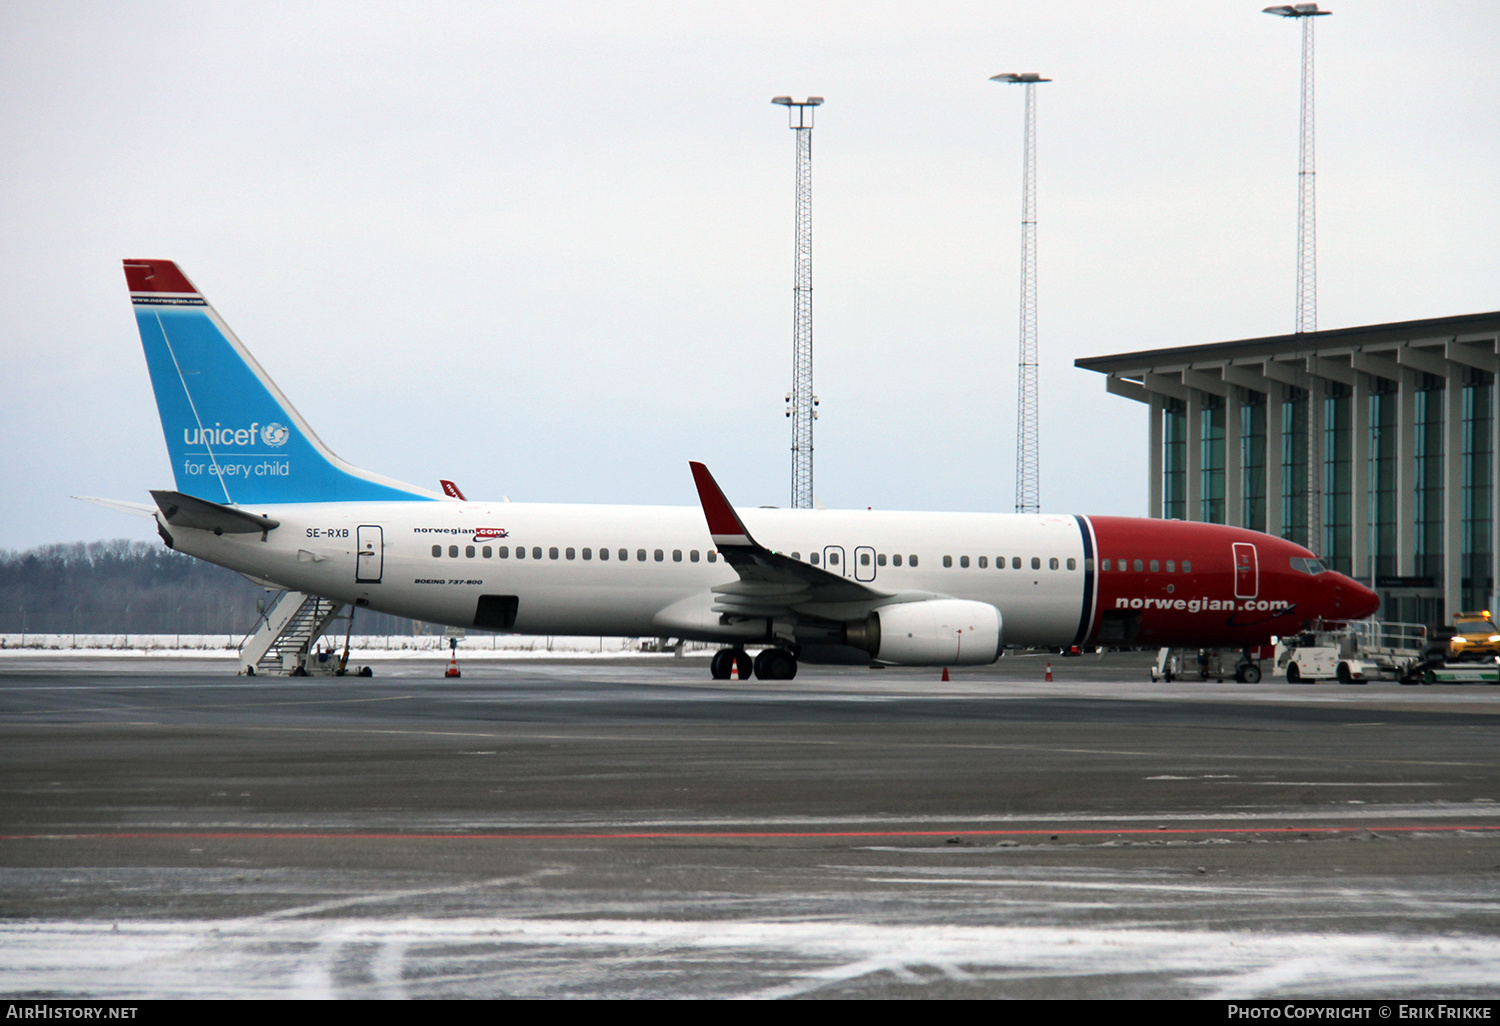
623 555
1139 566
1053 563
864 559
693 556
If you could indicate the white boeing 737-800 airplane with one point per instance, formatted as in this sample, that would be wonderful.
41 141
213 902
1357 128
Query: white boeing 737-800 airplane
258 492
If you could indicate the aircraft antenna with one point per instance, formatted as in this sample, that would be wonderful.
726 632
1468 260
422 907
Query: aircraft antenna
801 404
1028 457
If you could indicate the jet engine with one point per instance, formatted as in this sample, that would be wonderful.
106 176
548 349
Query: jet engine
933 632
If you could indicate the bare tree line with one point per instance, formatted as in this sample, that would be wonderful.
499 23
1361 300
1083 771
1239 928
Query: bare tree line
135 587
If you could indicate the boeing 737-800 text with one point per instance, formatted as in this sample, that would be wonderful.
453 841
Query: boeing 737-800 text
258 492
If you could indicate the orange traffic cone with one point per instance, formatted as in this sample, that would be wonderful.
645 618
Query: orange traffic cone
945 673
453 665
1049 671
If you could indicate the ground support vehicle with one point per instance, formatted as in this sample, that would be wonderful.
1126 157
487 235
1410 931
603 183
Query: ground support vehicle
1209 664
1474 637
1461 673
1354 651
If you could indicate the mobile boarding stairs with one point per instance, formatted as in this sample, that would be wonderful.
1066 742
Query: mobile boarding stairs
283 641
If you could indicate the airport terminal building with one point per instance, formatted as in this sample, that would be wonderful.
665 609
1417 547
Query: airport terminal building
1374 446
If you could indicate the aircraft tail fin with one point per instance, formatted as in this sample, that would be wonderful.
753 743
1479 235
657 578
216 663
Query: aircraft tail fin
232 436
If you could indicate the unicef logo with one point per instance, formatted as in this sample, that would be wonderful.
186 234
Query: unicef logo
275 435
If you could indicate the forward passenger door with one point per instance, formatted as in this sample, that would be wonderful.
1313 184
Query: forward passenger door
1246 571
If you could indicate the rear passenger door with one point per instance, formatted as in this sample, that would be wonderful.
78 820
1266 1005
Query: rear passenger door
369 560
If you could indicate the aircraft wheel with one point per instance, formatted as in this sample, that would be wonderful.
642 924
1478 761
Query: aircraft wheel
1293 674
744 668
1249 674
722 664
775 664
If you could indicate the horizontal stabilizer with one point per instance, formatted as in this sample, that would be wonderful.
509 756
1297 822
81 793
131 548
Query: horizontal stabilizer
187 511
138 509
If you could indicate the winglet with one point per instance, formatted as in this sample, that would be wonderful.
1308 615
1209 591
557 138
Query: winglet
451 490
723 522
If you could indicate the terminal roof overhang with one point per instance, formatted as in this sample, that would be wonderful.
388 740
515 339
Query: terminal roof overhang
1432 346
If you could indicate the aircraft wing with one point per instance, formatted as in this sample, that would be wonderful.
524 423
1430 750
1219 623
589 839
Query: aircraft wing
770 583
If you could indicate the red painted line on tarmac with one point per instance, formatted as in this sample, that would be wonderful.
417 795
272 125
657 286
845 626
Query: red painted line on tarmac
671 835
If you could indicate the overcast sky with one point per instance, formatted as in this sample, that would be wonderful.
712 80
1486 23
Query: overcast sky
545 249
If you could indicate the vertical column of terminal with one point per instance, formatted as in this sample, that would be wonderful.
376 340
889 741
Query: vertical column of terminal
1406 472
1275 399
1157 439
1453 491
1361 524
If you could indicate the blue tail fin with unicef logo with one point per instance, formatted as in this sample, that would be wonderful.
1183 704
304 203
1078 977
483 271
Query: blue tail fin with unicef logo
232 436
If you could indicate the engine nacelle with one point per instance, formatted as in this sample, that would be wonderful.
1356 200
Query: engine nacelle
933 632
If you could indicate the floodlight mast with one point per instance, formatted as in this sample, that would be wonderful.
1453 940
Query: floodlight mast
1028 457
1307 218
1307 251
802 405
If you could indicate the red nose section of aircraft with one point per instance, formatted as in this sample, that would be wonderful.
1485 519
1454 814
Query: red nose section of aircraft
1353 597
1166 582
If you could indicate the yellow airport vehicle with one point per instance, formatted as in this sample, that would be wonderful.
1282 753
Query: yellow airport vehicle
1475 636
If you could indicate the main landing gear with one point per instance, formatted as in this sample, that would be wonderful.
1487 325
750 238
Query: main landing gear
769 664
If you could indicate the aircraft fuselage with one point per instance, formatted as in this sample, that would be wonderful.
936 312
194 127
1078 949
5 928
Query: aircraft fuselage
650 570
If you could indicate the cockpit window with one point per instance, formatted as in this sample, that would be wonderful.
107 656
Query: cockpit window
1307 566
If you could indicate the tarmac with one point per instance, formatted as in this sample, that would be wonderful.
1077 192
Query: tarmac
631 828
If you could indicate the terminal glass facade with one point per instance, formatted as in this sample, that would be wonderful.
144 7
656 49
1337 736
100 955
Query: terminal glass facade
1174 460
1338 484
1253 460
1382 472
1294 466
1211 460
1477 584
1428 477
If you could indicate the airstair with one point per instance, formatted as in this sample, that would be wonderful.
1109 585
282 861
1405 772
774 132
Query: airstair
283 641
